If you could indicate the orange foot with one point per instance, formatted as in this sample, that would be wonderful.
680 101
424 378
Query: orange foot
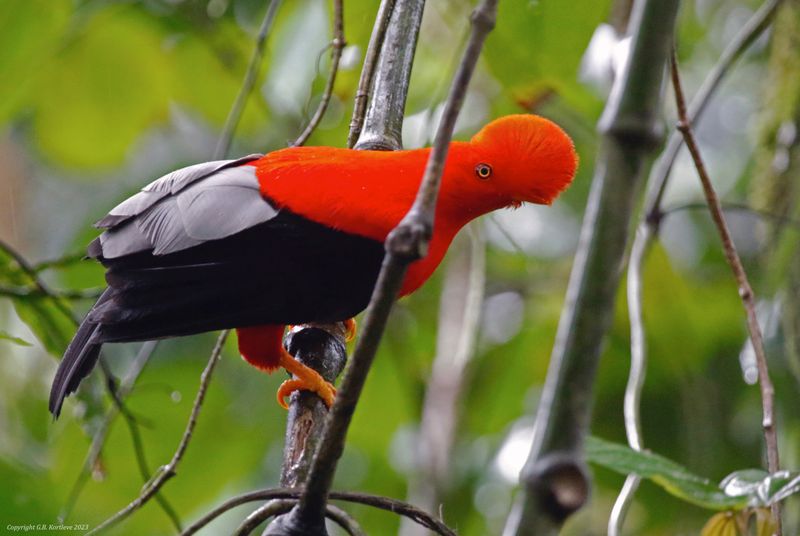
306 379
350 329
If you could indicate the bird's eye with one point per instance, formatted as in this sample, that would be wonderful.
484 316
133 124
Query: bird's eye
483 171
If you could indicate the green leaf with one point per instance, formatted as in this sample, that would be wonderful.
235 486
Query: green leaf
5 336
673 477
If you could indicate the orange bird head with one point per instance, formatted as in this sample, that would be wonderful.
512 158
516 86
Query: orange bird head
514 159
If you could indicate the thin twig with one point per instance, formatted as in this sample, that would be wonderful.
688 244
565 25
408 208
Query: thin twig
262 513
96 448
751 31
648 229
459 323
384 503
337 45
168 471
41 287
404 244
110 383
275 508
745 291
60 262
26 293
368 70
735 207
231 122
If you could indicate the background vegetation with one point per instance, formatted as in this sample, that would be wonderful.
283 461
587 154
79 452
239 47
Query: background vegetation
99 97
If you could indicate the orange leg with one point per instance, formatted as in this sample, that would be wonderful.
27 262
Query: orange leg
306 379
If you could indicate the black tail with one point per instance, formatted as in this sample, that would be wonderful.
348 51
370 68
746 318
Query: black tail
78 361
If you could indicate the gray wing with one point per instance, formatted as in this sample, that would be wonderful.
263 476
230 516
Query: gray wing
185 208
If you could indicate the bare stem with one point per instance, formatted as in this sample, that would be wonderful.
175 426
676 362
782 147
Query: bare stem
231 122
337 45
405 244
168 471
745 291
25 293
751 30
384 503
98 441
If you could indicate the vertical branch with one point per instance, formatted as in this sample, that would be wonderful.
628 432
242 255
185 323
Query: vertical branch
404 245
383 123
554 480
648 229
745 291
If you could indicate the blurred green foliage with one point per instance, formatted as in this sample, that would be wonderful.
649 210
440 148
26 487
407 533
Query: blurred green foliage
98 97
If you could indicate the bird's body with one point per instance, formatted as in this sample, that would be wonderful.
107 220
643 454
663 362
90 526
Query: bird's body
292 237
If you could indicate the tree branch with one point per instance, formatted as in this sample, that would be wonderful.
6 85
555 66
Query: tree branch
554 480
745 291
273 508
168 471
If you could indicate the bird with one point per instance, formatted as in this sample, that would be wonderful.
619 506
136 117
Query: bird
292 237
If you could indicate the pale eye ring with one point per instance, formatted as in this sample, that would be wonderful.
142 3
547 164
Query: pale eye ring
483 171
